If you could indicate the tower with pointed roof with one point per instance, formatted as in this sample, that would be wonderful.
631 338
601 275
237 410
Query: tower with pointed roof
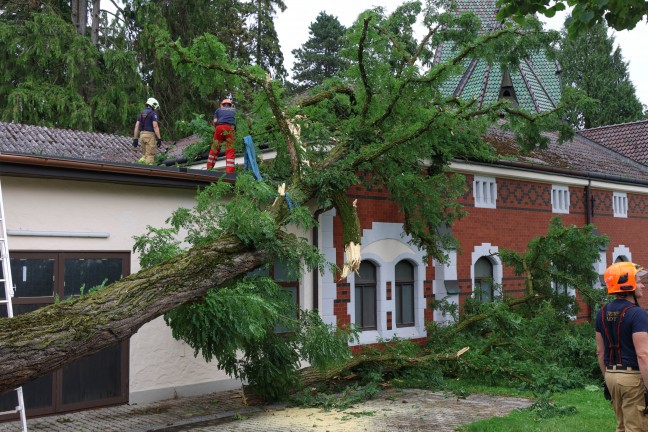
534 85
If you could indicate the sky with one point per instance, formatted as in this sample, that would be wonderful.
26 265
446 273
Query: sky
292 29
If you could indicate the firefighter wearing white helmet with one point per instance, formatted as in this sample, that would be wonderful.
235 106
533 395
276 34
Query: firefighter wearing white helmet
146 128
622 346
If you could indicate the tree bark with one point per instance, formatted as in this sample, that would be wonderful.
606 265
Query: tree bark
95 21
42 341
80 15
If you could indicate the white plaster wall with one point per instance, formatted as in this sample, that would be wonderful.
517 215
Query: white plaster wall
442 272
160 366
327 287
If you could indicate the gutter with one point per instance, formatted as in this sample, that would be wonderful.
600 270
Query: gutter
79 169
577 174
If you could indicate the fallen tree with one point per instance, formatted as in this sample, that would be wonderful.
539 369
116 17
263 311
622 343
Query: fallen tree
376 123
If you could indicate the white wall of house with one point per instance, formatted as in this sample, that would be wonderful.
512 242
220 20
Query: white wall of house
160 366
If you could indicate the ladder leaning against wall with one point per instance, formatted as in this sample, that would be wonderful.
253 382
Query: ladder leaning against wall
8 294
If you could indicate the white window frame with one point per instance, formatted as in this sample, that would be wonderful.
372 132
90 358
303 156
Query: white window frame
560 199
485 192
620 204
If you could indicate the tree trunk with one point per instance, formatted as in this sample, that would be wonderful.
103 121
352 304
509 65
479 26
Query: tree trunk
388 362
80 15
96 8
42 341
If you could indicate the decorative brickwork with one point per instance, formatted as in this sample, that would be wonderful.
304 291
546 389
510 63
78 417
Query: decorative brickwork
389 290
389 320
513 193
638 206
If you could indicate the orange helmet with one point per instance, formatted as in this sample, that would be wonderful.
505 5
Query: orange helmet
226 101
621 277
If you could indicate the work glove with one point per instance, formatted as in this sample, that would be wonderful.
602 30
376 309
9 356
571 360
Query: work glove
606 392
159 142
135 142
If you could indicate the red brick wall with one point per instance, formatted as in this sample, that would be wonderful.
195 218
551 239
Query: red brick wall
523 213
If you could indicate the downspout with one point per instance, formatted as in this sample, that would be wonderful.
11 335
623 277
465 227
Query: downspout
588 202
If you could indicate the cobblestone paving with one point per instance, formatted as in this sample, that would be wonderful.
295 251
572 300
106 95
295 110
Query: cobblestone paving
392 410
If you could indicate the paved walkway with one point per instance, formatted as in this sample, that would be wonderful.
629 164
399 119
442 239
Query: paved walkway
391 410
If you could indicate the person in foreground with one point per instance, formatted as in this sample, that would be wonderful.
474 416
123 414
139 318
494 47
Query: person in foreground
622 346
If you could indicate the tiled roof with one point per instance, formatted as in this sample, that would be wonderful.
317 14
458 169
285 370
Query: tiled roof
579 154
536 80
485 10
629 139
38 140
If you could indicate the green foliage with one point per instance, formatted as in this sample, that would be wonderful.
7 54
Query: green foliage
619 14
264 43
593 65
203 129
156 246
50 77
563 257
352 395
237 326
319 57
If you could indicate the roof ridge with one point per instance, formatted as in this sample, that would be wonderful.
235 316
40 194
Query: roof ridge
614 125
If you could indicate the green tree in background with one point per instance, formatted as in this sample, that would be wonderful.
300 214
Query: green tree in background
264 43
320 57
592 64
52 76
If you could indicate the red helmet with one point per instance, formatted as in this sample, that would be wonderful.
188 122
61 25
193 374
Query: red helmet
621 277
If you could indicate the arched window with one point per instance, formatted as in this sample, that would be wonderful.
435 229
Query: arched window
621 258
404 294
484 280
365 296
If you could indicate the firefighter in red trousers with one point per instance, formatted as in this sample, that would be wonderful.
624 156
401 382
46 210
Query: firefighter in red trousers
225 128
622 346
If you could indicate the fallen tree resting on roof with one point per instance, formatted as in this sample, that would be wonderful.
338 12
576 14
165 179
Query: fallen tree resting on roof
374 125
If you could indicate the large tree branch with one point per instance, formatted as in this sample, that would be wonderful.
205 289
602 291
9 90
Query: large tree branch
436 72
42 341
329 94
266 85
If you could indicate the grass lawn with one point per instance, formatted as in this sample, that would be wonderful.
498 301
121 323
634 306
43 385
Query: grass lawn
593 413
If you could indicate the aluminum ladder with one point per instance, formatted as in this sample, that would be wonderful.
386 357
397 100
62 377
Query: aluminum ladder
8 294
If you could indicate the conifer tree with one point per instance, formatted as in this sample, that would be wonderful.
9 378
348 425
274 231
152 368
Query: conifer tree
320 57
593 65
264 42
50 72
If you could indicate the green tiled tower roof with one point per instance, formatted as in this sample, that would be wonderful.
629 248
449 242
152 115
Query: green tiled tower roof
534 85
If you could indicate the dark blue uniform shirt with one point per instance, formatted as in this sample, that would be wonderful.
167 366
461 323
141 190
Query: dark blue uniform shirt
635 320
146 119
226 115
